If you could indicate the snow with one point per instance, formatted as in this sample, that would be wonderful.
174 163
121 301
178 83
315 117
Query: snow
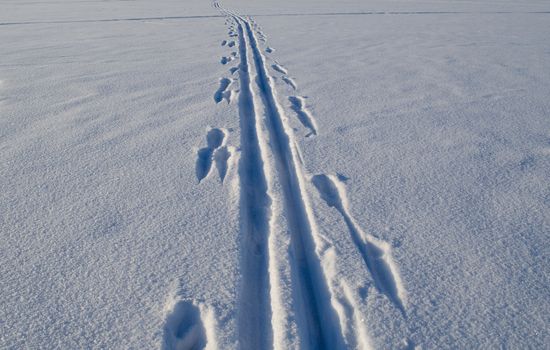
378 176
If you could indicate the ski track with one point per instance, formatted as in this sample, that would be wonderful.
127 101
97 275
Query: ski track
375 253
316 319
269 154
254 317
319 327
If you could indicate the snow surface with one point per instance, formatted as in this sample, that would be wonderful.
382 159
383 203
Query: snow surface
321 174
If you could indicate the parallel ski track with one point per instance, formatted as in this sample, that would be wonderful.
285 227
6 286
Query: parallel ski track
317 320
255 211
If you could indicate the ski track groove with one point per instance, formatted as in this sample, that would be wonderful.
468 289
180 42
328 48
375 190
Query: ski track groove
254 318
317 320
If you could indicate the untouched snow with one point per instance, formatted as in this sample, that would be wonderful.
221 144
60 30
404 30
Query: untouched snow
321 174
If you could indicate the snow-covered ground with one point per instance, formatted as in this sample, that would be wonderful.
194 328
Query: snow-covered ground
180 174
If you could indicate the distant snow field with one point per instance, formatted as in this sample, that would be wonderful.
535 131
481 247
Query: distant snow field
226 174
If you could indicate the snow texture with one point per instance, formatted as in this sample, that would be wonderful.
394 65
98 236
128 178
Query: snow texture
274 174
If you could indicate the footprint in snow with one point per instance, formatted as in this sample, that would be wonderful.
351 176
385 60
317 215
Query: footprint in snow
215 152
298 105
290 82
223 92
226 60
279 69
184 328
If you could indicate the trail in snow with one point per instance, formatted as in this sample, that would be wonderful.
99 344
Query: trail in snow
322 318
255 207
318 322
254 306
